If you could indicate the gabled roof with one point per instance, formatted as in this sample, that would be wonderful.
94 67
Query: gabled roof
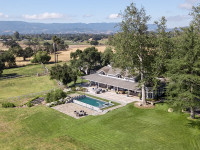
113 81
109 70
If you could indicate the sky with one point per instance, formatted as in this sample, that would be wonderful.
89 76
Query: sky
93 11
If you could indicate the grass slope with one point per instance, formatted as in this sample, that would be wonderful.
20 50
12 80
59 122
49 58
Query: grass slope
32 69
125 128
23 86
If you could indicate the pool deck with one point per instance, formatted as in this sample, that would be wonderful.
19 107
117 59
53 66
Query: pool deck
69 109
112 96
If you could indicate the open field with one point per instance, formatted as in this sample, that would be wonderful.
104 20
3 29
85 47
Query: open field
41 127
125 128
22 86
62 55
31 69
65 55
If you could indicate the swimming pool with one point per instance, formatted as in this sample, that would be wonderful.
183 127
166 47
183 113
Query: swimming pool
92 102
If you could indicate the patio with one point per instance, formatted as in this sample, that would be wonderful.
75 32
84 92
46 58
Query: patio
69 109
112 96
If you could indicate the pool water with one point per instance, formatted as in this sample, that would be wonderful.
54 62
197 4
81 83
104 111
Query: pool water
93 102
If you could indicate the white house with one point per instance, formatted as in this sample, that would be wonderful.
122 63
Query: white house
118 80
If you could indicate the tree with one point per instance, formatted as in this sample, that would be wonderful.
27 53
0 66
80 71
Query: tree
184 70
9 58
27 52
17 51
163 48
94 42
196 16
48 47
2 65
62 73
33 43
62 45
41 57
74 75
85 60
16 35
11 43
107 56
56 41
132 45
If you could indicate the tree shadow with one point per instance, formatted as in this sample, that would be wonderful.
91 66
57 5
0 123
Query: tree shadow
194 124
10 74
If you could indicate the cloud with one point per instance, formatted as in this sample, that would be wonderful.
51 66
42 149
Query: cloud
114 16
188 4
87 16
3 15
44 16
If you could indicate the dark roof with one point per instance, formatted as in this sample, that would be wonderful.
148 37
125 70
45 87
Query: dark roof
113 81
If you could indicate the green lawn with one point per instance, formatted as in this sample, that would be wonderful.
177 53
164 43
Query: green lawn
103 41
32 69
125 128
79 81
22 86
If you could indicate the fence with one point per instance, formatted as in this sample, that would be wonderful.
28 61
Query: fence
18 98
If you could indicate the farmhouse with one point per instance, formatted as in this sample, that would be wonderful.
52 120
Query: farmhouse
120 81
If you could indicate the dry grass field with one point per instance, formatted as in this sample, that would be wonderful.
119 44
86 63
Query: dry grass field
2 47
65 55
62 56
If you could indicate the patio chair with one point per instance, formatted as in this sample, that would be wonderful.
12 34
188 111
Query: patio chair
77 114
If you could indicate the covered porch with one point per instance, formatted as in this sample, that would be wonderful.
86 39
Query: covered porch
119 86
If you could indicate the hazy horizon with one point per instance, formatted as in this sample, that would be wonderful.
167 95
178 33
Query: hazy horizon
87 11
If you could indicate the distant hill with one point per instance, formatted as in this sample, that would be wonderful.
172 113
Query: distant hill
9 27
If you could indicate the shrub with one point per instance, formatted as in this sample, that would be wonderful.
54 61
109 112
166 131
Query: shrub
73 88
29 104
8 105
34 60
83 89
55 95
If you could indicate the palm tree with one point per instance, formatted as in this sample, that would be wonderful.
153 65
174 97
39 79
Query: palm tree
56 41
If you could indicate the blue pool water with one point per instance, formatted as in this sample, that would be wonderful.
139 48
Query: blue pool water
93 102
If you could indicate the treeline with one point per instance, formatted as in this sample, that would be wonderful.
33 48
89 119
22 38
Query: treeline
81 63
41 37
91 59
39 52
174 56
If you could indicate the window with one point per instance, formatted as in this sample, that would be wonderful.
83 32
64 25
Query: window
102 73
119 76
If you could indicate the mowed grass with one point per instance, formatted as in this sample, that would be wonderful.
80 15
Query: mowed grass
22 86
32 69
125 128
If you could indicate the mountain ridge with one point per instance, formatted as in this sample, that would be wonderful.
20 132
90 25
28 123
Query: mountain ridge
9 27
